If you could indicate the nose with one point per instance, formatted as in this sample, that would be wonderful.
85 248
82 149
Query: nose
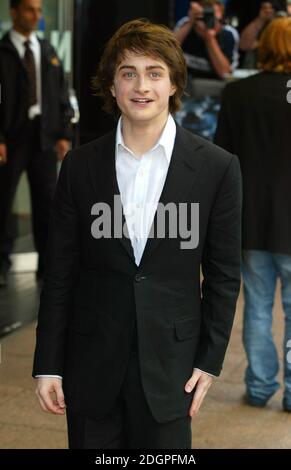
141 85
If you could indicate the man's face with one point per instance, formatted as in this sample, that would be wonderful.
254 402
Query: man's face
267 10
142 88
27 15
218 11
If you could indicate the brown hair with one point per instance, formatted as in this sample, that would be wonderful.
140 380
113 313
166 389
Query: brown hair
275 46
211 3
145 38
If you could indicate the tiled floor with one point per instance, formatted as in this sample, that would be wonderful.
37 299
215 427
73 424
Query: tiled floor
18 302
223 422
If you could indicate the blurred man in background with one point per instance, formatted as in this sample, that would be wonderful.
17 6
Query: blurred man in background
250 35
35 119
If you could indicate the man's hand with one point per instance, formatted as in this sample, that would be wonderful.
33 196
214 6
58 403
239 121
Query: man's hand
195 11
62 147
202 30
51 404
3 154
202 381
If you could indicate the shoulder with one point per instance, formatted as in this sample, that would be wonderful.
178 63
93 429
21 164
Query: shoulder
88 147
6 45
91 149
230 31
181 22
47 49
215 160
195 143
237 87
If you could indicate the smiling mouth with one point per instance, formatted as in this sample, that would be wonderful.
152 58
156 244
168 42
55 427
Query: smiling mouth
142 100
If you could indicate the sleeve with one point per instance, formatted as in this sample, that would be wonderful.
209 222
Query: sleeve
181 22
49 376
227 44
221 271
62 268
66 110
211 375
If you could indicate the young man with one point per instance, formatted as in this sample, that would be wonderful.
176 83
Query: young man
121 316
35 116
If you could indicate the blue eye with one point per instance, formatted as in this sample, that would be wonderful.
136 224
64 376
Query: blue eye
155 74
128 74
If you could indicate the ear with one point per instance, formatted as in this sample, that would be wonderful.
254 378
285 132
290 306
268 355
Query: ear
173 90
112 89
13 13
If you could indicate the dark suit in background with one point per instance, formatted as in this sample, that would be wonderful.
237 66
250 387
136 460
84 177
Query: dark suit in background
98 307
254 123
30 142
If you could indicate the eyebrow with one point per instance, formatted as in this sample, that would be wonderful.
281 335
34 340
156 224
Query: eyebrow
149 67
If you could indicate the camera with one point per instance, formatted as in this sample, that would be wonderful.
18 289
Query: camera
208 17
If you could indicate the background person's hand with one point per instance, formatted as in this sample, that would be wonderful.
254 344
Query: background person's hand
3 154
195 14
202 30
62 147
195 11
202 381
49 392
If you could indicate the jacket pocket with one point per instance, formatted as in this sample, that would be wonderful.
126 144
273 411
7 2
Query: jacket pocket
186 328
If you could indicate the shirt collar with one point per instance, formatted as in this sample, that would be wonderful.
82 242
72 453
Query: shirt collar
18 38
166 140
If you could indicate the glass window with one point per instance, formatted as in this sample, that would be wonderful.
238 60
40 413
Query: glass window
55 25
48 23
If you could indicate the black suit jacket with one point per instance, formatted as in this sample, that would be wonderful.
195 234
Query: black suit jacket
94 292
254 123
56 109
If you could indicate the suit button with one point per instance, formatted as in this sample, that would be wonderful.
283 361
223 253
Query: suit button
139 278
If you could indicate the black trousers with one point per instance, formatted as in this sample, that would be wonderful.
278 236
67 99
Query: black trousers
130 424
25 154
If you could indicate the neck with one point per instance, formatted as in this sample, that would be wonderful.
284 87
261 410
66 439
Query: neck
21 31
140 137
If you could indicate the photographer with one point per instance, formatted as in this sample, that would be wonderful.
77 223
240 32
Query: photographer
252 32
250 35
210 47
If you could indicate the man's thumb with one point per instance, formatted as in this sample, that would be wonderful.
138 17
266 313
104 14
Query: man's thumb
60 396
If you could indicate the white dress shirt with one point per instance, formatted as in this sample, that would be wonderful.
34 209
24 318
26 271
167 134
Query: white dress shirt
18 41
141 181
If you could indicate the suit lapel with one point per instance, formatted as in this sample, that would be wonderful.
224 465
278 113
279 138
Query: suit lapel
44 58
185 162
8 44
102 170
